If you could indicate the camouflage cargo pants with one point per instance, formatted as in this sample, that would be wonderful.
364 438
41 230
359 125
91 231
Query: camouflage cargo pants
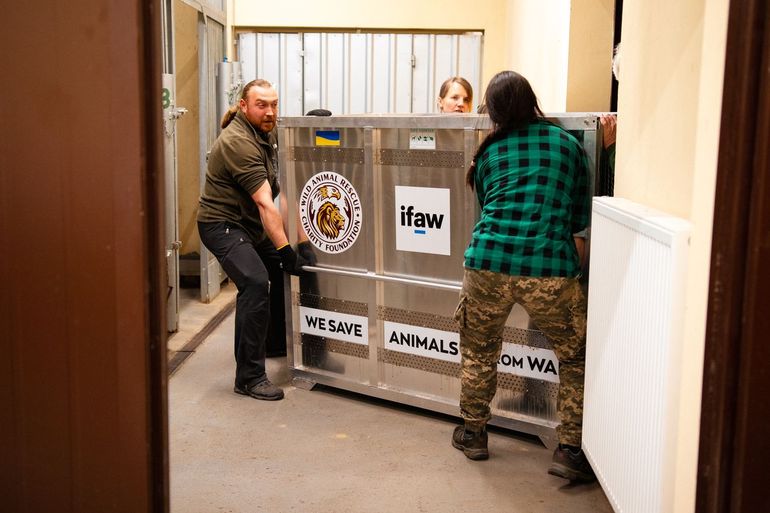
557 306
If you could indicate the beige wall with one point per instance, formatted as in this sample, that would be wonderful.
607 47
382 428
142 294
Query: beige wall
589 73
533 37
564 48
187 95
668 131
538 45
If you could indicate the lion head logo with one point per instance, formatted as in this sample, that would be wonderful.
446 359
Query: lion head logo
329 220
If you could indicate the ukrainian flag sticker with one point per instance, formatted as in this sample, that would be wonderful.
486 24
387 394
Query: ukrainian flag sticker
327 138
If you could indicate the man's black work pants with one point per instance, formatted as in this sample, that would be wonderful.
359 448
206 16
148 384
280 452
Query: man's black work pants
251 267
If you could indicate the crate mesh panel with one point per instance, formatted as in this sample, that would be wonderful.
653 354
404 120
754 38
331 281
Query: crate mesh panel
330 303
421 158
321 154
331 345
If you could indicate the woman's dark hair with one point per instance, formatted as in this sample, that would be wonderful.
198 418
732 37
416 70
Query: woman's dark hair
511 104
233 110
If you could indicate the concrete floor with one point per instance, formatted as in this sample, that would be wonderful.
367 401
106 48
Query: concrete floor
197 319
325 450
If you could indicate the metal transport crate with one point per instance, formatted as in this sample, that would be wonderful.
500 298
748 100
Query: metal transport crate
383 200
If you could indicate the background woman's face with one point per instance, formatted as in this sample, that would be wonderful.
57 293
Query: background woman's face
456 100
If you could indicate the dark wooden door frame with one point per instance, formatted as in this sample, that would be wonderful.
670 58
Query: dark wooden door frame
734 438
83 415
155 237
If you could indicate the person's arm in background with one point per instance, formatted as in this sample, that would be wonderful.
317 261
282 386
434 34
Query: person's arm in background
609 128
607 157
580 245
582 211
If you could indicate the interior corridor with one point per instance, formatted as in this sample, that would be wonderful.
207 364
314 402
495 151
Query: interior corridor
326 450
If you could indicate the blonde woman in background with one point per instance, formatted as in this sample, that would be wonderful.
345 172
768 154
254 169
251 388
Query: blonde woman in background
455 96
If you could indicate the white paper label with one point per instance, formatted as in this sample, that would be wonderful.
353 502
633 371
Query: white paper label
422 220
324 323
422 139
525 361
437 344
529 362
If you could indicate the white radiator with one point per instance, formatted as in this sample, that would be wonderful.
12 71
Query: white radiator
633 356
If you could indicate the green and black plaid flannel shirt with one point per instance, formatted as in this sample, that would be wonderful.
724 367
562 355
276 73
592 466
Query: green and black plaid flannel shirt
533 190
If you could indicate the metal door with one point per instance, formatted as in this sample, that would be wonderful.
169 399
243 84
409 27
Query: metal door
355 73
211 50
171 113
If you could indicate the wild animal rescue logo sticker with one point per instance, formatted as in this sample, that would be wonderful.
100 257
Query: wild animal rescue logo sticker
330 212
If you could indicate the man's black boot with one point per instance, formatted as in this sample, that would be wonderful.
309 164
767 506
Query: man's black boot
571 463
264 390
472 443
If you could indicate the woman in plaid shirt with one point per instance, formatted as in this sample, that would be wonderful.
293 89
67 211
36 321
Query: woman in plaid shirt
531 181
